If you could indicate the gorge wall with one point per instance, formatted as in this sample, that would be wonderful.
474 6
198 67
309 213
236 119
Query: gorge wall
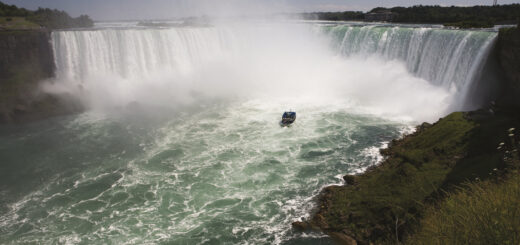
508 51
26 59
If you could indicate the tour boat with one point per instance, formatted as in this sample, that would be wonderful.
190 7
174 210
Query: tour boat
288 118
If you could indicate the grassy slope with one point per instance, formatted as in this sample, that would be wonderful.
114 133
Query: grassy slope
479 213
17 23
388 201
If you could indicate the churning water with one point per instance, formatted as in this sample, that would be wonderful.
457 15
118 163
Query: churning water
181 142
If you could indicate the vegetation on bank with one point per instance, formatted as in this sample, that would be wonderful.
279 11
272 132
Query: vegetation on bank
386 203
462 17
485 212
471 24
12 17
479 212
499 14
17 23
335 16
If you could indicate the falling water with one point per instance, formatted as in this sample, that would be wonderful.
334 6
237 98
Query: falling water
447 58
181 144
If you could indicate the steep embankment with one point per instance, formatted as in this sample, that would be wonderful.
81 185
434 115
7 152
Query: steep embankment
386 202
508 49
405 193
25 60
487 213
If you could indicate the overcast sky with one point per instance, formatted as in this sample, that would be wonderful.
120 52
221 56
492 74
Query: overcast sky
150 9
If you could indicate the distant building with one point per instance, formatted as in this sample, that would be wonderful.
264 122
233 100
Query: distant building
380 16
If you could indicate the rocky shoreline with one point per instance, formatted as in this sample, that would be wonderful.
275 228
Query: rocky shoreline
386 203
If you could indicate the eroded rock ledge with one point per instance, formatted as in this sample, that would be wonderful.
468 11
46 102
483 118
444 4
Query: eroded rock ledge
26 60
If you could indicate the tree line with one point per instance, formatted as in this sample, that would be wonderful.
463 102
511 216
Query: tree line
499 14
490 15
335 16
45 17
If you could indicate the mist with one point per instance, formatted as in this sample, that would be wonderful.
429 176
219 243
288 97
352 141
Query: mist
292 63
180 140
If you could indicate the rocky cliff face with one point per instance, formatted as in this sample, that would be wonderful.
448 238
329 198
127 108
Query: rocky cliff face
21 48
26 59
508 48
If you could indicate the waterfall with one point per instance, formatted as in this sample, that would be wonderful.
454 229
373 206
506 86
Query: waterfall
115 66
134 52
447 58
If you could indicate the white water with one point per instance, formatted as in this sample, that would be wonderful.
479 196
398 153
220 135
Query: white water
406 73
450 59
217 168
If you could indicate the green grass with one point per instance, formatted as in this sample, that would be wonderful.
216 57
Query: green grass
17 23
387 202
478 213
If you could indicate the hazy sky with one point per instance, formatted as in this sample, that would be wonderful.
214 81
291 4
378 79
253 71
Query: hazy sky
147 9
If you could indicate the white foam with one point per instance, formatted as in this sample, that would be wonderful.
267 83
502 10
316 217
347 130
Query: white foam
232 148
175 66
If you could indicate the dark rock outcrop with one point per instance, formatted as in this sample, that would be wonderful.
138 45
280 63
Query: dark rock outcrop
508 50
349 179
25 48
26 59
301 225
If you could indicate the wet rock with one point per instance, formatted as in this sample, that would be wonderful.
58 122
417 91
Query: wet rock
321 222
423 126
301 225
349 179
342 238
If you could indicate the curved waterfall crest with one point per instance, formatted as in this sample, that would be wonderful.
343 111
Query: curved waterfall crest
183 60
447 58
